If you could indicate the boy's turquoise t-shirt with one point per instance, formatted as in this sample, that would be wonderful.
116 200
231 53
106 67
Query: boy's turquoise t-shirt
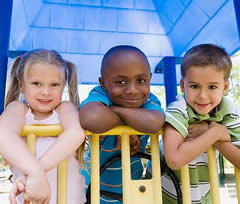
111 179
180 115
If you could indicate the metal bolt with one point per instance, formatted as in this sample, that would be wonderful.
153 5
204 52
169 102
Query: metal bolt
142 189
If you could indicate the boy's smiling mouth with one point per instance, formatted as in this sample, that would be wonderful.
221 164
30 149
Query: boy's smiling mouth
202 105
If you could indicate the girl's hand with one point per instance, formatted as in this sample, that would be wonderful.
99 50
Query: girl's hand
135 144
17 188
35 188
220 131
195 130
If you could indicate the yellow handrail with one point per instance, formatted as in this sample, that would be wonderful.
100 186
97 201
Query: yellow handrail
237 178
33 131
150 189
134 191
213 176
186 191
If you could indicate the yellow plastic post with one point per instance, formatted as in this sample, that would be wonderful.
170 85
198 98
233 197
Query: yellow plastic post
31 141
126 170
62 183
186 191
31 132
95 173
213 176
134 191
156 171
140 191
237 178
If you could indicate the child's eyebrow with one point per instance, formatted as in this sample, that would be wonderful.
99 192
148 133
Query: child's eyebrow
211 82
126 76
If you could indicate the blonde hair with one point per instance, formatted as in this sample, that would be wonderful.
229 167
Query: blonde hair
20 68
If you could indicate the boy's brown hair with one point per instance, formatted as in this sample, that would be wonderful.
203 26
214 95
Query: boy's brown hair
204 55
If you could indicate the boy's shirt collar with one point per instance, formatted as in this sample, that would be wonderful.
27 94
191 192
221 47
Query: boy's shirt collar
218 113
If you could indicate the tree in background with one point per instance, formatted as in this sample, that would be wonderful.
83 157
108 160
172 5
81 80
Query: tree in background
234 90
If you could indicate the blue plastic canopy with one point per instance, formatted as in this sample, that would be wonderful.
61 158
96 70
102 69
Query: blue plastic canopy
83 30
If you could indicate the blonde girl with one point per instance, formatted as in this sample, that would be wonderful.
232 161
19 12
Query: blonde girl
40 77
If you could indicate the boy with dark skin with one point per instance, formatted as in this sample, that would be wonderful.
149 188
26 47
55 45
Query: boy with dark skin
124 98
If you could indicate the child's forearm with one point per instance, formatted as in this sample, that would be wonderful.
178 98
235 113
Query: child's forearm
98 118
231 152
143 120
15 151
179 152
66 144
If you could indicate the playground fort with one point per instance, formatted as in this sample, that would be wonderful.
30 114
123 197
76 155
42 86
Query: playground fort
83 30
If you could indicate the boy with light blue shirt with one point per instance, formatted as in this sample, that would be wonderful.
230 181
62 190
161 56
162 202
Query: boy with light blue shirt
123 98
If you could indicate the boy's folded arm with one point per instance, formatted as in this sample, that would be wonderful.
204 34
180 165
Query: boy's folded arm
179 152
98 118
141 119
68 141
228 150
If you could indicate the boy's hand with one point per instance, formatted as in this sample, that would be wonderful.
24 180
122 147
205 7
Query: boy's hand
220 131
135 144
195 130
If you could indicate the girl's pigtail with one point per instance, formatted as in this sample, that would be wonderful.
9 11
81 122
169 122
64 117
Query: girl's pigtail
13 88
74 97
72 83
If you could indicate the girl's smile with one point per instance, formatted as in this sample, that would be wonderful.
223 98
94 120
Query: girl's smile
43 92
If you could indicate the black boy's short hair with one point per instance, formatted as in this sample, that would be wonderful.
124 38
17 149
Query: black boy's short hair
118 49
204 55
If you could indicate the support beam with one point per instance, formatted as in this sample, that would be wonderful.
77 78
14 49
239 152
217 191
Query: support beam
5 25
237 14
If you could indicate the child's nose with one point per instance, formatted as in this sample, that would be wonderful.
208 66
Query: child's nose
203 94
45 91
131 88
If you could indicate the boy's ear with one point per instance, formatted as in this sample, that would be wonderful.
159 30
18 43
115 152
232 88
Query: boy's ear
101 82
151 75
226 87
182 85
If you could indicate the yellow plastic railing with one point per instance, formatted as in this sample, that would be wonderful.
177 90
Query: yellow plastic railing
213 178
134 191
33 131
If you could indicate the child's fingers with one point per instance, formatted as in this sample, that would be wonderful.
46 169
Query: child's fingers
21 184
13 194
118 142
26 202
135 144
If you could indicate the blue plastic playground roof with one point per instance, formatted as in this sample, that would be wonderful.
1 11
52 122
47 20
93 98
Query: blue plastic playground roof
83 30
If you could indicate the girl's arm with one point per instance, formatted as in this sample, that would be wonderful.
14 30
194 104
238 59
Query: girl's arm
67 142
98 118
179 152
141 119
15 151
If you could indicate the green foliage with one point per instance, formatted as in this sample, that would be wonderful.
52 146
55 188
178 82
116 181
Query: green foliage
234 90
